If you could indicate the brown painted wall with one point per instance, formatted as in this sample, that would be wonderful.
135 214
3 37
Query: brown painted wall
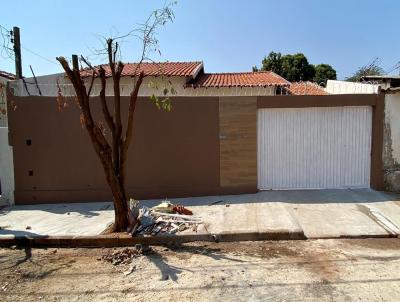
173 154
206 145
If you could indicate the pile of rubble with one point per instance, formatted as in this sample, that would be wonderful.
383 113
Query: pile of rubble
125 256
165 218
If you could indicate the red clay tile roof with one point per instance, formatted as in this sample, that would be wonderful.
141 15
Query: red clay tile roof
180 69
240 79
306 88
7 75
199 78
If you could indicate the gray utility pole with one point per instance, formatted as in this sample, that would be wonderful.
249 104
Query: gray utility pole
17 52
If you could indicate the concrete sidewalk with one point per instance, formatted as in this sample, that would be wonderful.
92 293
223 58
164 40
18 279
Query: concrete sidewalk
69 219
317 213
262 216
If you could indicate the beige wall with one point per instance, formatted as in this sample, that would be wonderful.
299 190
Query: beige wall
48 87
238 141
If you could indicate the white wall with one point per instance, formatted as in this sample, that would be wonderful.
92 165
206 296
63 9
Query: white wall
392 119
6 169
344 87
391 152
6 156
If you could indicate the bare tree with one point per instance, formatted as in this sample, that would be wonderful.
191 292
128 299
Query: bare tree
113 154
371 69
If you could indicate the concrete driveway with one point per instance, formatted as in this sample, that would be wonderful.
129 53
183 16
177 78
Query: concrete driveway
264 215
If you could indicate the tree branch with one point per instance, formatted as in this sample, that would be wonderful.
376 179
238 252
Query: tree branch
106 111
115 52
91 83
93 74
116 76
129 128
95 133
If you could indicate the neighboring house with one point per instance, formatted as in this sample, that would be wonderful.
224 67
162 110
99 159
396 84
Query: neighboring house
6 160
187 78
306 88
227 133
390 87
387 83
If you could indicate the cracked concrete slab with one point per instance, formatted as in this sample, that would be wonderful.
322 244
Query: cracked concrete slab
335 221
257 220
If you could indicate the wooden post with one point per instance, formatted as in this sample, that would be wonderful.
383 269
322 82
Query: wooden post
17 52
36 82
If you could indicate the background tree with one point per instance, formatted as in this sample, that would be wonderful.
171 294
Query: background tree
273 62
323 73
296 67
370 69
113 151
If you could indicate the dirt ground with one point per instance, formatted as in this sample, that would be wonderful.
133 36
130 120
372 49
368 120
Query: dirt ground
318 270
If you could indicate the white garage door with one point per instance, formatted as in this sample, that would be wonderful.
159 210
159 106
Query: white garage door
314 148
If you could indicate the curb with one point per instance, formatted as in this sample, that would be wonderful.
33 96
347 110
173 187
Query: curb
122 239
357 236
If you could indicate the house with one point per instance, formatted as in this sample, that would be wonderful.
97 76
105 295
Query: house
6 167
187 78
387 83
306 88
227 133
389 87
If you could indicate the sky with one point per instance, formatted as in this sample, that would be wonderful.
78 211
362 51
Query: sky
228 36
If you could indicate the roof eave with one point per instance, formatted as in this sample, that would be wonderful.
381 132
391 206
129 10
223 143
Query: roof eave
197 70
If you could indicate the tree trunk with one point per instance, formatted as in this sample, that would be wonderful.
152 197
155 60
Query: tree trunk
119 195
121 210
